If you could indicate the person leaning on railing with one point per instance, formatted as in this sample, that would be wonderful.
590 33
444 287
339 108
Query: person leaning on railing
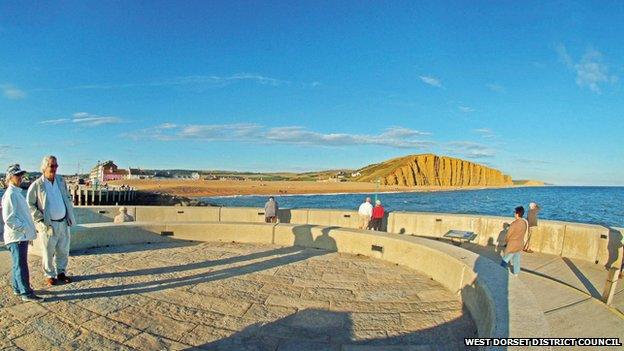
532 219
365 212
377 217
19 229
270 210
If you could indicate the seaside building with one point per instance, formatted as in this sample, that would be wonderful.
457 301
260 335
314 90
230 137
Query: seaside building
137 173
108 170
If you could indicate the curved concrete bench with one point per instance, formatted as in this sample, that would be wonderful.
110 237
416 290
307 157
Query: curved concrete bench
500 305
593 243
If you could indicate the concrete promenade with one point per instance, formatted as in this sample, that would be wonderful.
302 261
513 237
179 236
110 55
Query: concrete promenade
556 295
233 296
568 291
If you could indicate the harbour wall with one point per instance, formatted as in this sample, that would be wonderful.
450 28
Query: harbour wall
594 243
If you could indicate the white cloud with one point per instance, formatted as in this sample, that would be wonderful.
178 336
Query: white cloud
218 132
393 137
84 119
194 81
564 57
55 121
485 132
11 92
471 149
167 126
497 88
466 109
431 81
591 71
397 137
531 161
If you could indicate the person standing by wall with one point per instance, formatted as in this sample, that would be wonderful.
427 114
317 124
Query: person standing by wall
123 216
377 217
365 212
19 229
270 210
515 241
532 219
53 213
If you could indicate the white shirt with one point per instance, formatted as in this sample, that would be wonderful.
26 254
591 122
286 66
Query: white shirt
366 209
18 224
54 200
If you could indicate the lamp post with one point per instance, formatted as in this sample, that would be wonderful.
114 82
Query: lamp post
377 183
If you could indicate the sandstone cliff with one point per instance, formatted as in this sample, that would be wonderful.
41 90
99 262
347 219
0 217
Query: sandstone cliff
432 170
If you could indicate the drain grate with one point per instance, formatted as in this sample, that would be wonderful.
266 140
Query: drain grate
377 248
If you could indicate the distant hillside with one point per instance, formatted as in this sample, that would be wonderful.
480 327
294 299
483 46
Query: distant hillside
320 175
528 182
432 170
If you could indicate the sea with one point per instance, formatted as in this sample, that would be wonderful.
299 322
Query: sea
585 204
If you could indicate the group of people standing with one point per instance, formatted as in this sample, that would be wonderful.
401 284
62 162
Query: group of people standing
371 217
516 241
47 212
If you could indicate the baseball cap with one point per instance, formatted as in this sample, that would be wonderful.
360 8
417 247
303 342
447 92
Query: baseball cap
15 170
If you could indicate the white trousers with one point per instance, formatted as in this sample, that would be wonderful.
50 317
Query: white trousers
55 252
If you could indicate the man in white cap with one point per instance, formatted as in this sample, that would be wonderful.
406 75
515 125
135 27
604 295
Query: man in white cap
365 212
53 212
532 219
19 229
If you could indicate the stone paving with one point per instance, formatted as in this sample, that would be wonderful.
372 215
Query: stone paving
231 296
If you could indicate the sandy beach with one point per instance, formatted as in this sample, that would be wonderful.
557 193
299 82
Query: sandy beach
198 188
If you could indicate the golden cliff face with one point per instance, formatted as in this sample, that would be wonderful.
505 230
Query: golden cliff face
432 170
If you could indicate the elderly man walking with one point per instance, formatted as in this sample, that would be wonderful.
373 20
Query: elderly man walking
53 213
365 212
515 241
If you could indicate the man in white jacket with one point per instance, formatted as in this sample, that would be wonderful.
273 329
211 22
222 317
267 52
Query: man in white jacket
19 229
53 213
365 212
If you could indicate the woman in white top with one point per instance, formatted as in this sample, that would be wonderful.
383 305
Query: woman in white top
19 229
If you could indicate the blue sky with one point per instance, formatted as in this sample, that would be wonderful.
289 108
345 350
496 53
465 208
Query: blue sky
532 88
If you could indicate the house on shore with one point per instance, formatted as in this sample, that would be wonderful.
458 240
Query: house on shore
108 170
